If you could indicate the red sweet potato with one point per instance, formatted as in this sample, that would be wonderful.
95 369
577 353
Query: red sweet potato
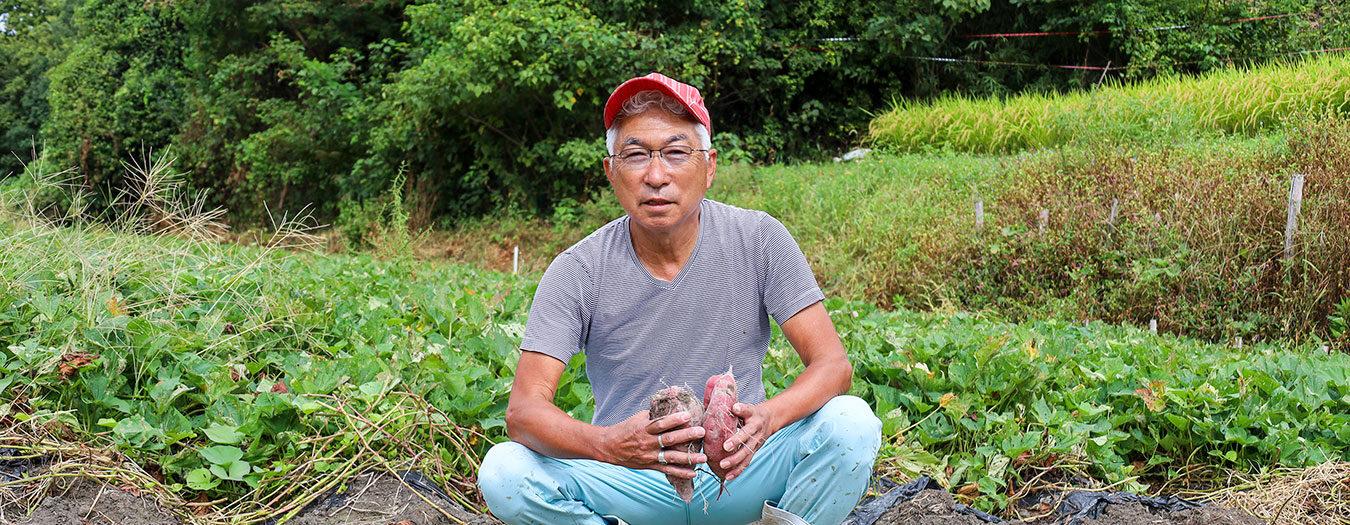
719 423
674 400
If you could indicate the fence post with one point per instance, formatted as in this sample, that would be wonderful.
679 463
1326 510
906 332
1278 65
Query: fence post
515 259
979 214
1291 223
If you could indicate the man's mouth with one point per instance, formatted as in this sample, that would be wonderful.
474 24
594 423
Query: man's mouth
657 203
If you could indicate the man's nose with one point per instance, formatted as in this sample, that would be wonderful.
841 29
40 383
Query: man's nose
657 173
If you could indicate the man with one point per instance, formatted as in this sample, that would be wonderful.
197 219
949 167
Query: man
679 289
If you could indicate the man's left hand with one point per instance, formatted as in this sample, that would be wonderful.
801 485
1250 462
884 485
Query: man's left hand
753 433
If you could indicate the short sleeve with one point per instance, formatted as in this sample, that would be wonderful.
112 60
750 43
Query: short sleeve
789 285
559 314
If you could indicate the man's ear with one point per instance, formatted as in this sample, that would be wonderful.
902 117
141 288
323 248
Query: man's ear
608 164
711 168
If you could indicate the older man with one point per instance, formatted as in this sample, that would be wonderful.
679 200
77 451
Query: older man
679 289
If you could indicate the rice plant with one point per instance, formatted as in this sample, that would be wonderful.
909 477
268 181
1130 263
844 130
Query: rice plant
1161 110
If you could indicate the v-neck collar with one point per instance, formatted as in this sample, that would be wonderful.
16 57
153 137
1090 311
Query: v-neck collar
662 284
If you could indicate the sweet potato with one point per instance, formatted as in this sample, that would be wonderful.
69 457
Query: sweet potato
674 400
719 423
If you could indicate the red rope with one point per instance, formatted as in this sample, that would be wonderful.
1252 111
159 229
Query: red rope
1104 32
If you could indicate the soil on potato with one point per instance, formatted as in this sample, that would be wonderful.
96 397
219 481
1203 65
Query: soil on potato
936 507
370 500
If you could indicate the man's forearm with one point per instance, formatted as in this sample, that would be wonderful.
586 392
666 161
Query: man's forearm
546 429
820 382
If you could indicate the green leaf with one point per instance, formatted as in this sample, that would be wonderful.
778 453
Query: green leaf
135 432
202 479
222 454
237 470
226 434
372 389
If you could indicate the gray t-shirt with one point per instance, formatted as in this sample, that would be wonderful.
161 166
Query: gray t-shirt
642 334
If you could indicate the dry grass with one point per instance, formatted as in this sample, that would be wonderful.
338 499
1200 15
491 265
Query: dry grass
1318 495
66 459
407 436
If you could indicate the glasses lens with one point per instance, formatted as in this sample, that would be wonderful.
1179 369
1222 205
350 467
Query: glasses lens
676 155
635 157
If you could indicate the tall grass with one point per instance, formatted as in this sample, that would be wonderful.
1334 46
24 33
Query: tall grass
1230 101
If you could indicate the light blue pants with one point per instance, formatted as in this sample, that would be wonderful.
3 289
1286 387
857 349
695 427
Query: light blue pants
817 468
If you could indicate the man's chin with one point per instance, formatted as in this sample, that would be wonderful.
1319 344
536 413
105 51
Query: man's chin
657 221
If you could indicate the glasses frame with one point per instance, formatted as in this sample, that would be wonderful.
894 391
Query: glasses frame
651 152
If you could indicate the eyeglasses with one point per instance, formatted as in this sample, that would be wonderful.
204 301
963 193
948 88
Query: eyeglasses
639 158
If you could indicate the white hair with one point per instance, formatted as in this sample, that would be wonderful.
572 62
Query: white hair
644 100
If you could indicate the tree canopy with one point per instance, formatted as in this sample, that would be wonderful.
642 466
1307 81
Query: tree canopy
495 104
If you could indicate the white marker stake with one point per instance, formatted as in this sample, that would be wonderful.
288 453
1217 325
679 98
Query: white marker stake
1153 325
515 259
1237 342
1291 223
979 214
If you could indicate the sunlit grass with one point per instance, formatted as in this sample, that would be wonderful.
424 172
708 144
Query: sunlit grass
1230 101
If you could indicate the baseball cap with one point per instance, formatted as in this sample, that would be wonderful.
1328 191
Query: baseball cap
687 95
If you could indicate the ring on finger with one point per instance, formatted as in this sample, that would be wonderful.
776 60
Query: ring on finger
661 457
659 442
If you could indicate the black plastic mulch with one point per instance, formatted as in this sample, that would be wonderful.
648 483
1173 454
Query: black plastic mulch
12 467
1072 509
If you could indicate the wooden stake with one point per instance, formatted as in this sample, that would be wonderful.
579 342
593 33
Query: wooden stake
1291 223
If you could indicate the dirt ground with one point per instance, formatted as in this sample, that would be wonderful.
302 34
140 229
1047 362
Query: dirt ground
376 499
92 502
936 507
1136 513
369 500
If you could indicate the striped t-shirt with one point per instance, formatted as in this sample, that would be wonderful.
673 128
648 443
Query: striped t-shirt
641 334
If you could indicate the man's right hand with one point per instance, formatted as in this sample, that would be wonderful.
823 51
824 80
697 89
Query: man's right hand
634 443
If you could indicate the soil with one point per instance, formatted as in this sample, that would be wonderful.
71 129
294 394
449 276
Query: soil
929 507
936 507
370 500
1210 515
381 500
376 499
90 501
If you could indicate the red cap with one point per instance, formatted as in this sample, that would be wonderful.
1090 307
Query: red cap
687 95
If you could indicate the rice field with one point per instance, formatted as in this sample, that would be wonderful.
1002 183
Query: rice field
1232 101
